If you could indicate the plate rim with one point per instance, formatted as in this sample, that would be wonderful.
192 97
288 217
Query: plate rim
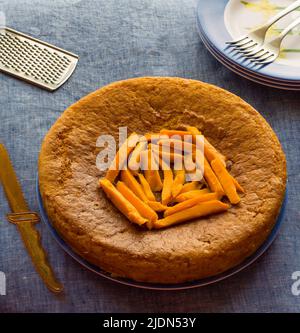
156 286
234 66
238 71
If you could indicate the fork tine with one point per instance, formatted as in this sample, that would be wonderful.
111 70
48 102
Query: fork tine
241 44
270 60
242 54
264 58
245 47
260 57
248 49
234 42
253 51
267 59
253 54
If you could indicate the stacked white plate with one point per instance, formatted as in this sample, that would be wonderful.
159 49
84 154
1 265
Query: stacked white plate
220 21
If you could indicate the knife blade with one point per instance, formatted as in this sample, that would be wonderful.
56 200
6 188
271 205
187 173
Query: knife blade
25 221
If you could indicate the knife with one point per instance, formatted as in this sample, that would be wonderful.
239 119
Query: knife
25 220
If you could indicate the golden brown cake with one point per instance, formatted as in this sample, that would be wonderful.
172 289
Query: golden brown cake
88 221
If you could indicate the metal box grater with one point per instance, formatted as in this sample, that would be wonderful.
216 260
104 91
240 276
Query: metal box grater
35 61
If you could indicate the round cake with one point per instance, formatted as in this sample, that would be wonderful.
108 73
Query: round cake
95 229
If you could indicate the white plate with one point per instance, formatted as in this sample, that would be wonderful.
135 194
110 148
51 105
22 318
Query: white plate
211 18
236 69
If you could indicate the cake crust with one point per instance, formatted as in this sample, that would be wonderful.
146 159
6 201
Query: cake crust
88 221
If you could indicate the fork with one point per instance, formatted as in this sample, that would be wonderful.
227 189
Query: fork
256 37
269 51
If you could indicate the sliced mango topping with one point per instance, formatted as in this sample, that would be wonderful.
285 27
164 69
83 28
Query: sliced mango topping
145 183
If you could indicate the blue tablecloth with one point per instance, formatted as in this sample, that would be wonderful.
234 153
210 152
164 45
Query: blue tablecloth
117 40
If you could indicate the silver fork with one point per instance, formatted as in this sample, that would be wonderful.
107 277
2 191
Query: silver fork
256 37
269 51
